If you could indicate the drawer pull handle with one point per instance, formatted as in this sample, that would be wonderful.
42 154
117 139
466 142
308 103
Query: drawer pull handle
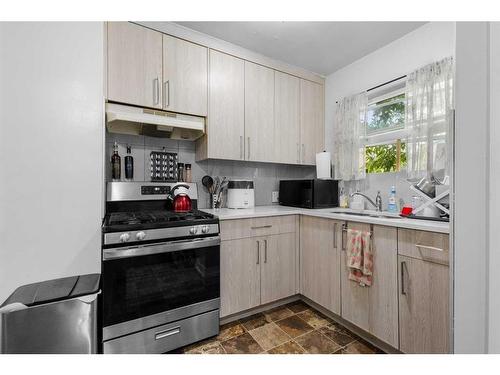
167 333
429 247
262 227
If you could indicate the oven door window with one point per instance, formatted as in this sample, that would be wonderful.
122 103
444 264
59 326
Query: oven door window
139 286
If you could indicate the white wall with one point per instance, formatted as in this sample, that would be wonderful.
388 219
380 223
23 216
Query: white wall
51 134
494 203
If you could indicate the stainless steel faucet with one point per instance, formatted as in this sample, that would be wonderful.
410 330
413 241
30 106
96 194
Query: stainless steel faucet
378 200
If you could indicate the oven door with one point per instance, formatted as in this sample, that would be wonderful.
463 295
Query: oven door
149 285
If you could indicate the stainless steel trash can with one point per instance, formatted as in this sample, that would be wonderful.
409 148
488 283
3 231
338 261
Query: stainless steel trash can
54 316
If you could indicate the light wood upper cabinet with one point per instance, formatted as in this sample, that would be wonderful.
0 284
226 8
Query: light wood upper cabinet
134 65
226 113
312 127
239 275
185 76
278 267
320 261
287 118
259 113
375 308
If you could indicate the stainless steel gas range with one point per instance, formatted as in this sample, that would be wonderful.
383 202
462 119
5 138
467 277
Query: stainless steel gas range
160 271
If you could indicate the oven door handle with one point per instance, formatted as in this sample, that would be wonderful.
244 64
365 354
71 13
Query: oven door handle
158 248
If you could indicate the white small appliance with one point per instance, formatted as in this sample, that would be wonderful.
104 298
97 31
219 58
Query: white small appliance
240 194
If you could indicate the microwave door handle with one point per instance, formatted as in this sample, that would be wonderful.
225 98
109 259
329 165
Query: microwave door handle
164 247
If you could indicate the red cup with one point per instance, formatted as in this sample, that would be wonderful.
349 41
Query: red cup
406 210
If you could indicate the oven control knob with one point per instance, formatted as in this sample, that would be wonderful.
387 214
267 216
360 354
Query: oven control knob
193 230
205 229
124 237
140 235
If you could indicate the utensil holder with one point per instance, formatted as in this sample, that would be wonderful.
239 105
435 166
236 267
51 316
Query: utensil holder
215 203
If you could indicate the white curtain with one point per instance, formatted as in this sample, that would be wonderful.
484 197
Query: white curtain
429 100
348 132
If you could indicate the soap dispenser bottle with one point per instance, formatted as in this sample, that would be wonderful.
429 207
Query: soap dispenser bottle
392 203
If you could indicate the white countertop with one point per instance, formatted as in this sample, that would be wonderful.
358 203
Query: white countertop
276 210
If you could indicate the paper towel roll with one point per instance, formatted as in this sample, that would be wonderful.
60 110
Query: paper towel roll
324 165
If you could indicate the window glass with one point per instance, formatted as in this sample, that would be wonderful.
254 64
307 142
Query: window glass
386 115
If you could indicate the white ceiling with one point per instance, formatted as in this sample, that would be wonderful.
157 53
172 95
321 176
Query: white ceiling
321 47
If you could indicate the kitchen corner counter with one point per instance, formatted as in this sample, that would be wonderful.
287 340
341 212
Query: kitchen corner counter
276 210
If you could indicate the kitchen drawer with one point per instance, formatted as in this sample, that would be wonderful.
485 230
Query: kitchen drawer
256 227
166 337
428 246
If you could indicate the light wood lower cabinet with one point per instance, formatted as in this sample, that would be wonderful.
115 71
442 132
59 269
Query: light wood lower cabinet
240 275
423 306
259 267
320 261
375 308
278 267
424 280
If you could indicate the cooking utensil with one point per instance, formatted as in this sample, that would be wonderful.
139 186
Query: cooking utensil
208 182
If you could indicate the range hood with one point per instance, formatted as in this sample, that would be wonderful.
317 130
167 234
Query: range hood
124 119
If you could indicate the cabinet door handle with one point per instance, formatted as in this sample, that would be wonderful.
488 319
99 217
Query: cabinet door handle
262 226
344 229
265 251
248 144
429 247
334 235
166 93
166 333
258 252
303 153
403 275
298 153
242 156
156 91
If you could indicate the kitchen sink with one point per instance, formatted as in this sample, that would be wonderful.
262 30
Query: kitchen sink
380 215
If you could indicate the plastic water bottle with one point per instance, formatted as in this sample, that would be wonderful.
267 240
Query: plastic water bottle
392 205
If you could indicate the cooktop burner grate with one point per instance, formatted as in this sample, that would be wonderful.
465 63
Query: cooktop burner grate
147 217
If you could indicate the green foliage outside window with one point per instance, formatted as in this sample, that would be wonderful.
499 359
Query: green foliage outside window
383 158
385 115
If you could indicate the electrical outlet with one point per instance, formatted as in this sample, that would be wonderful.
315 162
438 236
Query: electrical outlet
274 197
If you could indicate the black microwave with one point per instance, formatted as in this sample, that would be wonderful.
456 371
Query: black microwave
309 193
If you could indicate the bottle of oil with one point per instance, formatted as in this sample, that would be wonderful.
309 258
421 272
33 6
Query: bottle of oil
115 164
129 165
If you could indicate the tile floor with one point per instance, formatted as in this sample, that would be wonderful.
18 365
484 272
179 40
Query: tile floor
295 328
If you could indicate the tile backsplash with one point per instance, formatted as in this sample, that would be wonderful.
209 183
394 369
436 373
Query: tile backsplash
382 182
266 176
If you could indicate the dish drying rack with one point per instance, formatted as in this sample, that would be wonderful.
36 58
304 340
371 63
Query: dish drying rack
428 201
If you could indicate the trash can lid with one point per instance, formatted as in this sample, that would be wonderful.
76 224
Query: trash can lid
55 290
